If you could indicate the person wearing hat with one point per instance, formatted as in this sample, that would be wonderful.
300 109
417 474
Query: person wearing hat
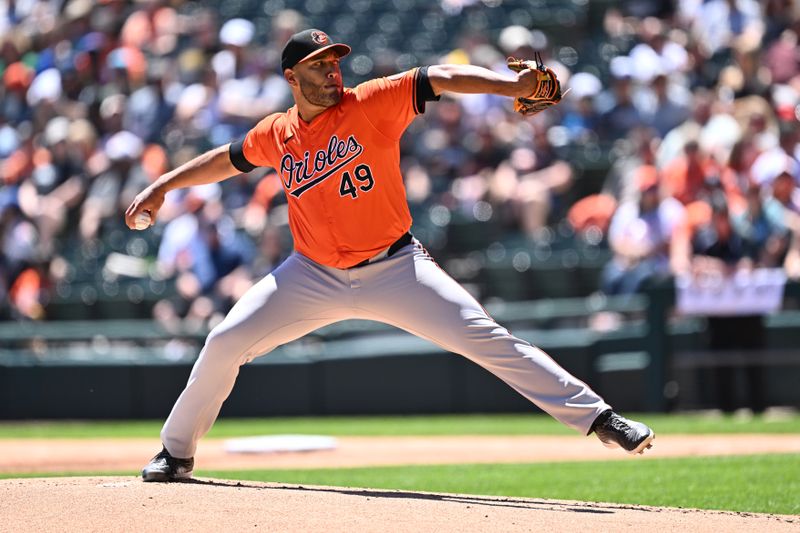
337 154
640 234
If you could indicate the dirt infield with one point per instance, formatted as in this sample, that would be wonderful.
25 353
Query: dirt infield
76 455
127 504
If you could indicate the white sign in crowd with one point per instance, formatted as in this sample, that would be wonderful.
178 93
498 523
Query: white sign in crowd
754 292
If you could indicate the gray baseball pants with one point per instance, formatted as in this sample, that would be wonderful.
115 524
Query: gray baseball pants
407 290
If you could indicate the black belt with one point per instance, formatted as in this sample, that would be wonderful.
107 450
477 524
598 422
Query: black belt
404 240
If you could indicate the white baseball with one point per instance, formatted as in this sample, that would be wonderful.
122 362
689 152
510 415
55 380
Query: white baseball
142 220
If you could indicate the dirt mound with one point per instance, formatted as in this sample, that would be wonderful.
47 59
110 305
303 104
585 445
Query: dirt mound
127 504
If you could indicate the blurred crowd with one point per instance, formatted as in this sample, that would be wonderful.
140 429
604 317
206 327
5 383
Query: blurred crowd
708 104
690 106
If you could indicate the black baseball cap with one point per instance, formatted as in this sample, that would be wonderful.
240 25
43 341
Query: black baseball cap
307 44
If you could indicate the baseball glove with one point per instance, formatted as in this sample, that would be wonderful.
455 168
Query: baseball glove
545 94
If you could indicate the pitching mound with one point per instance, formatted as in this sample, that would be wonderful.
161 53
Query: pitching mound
127 504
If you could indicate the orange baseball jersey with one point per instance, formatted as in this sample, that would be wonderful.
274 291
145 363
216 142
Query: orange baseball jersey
341 171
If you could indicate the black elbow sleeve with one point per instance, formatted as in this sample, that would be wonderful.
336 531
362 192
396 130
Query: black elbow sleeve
236 154
424 91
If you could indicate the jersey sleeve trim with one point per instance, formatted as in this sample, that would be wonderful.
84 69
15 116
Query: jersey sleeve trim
236 154
423 91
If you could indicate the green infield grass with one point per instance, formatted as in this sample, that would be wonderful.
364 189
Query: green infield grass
756 483
759 483
490 424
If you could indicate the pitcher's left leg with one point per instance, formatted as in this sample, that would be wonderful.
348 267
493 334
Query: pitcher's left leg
410 291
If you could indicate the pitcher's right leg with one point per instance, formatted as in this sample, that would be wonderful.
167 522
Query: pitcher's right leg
297 298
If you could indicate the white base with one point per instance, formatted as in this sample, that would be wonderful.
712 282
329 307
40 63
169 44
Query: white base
280 443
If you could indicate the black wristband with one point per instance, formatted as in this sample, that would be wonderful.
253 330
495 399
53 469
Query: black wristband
236 153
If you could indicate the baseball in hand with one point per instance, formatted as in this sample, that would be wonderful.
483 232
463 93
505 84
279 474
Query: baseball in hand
142 220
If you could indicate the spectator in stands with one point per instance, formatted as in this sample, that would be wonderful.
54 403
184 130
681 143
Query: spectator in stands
664 112
524 189
764 232
656 54
779 16
581 117
782 58
685 177
207 257
746 66
593 213
218 252
638 150
639 236
102 203
621 113
23 277
758 124
734 177
591 216
17 78
783 204
772 162
543 183
717 23
705 242
55 186
250 86
674 142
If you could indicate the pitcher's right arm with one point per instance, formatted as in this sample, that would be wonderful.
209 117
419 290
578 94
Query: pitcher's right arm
210 167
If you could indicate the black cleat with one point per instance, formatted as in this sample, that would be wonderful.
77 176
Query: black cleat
616 431
164 467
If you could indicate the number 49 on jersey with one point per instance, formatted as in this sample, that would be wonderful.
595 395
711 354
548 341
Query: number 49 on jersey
361 179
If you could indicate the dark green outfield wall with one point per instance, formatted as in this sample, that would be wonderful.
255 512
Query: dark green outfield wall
426 383
434 382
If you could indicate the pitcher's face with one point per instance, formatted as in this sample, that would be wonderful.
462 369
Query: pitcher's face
320 79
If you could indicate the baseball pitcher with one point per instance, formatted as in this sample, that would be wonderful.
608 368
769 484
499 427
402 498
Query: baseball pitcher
337 153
